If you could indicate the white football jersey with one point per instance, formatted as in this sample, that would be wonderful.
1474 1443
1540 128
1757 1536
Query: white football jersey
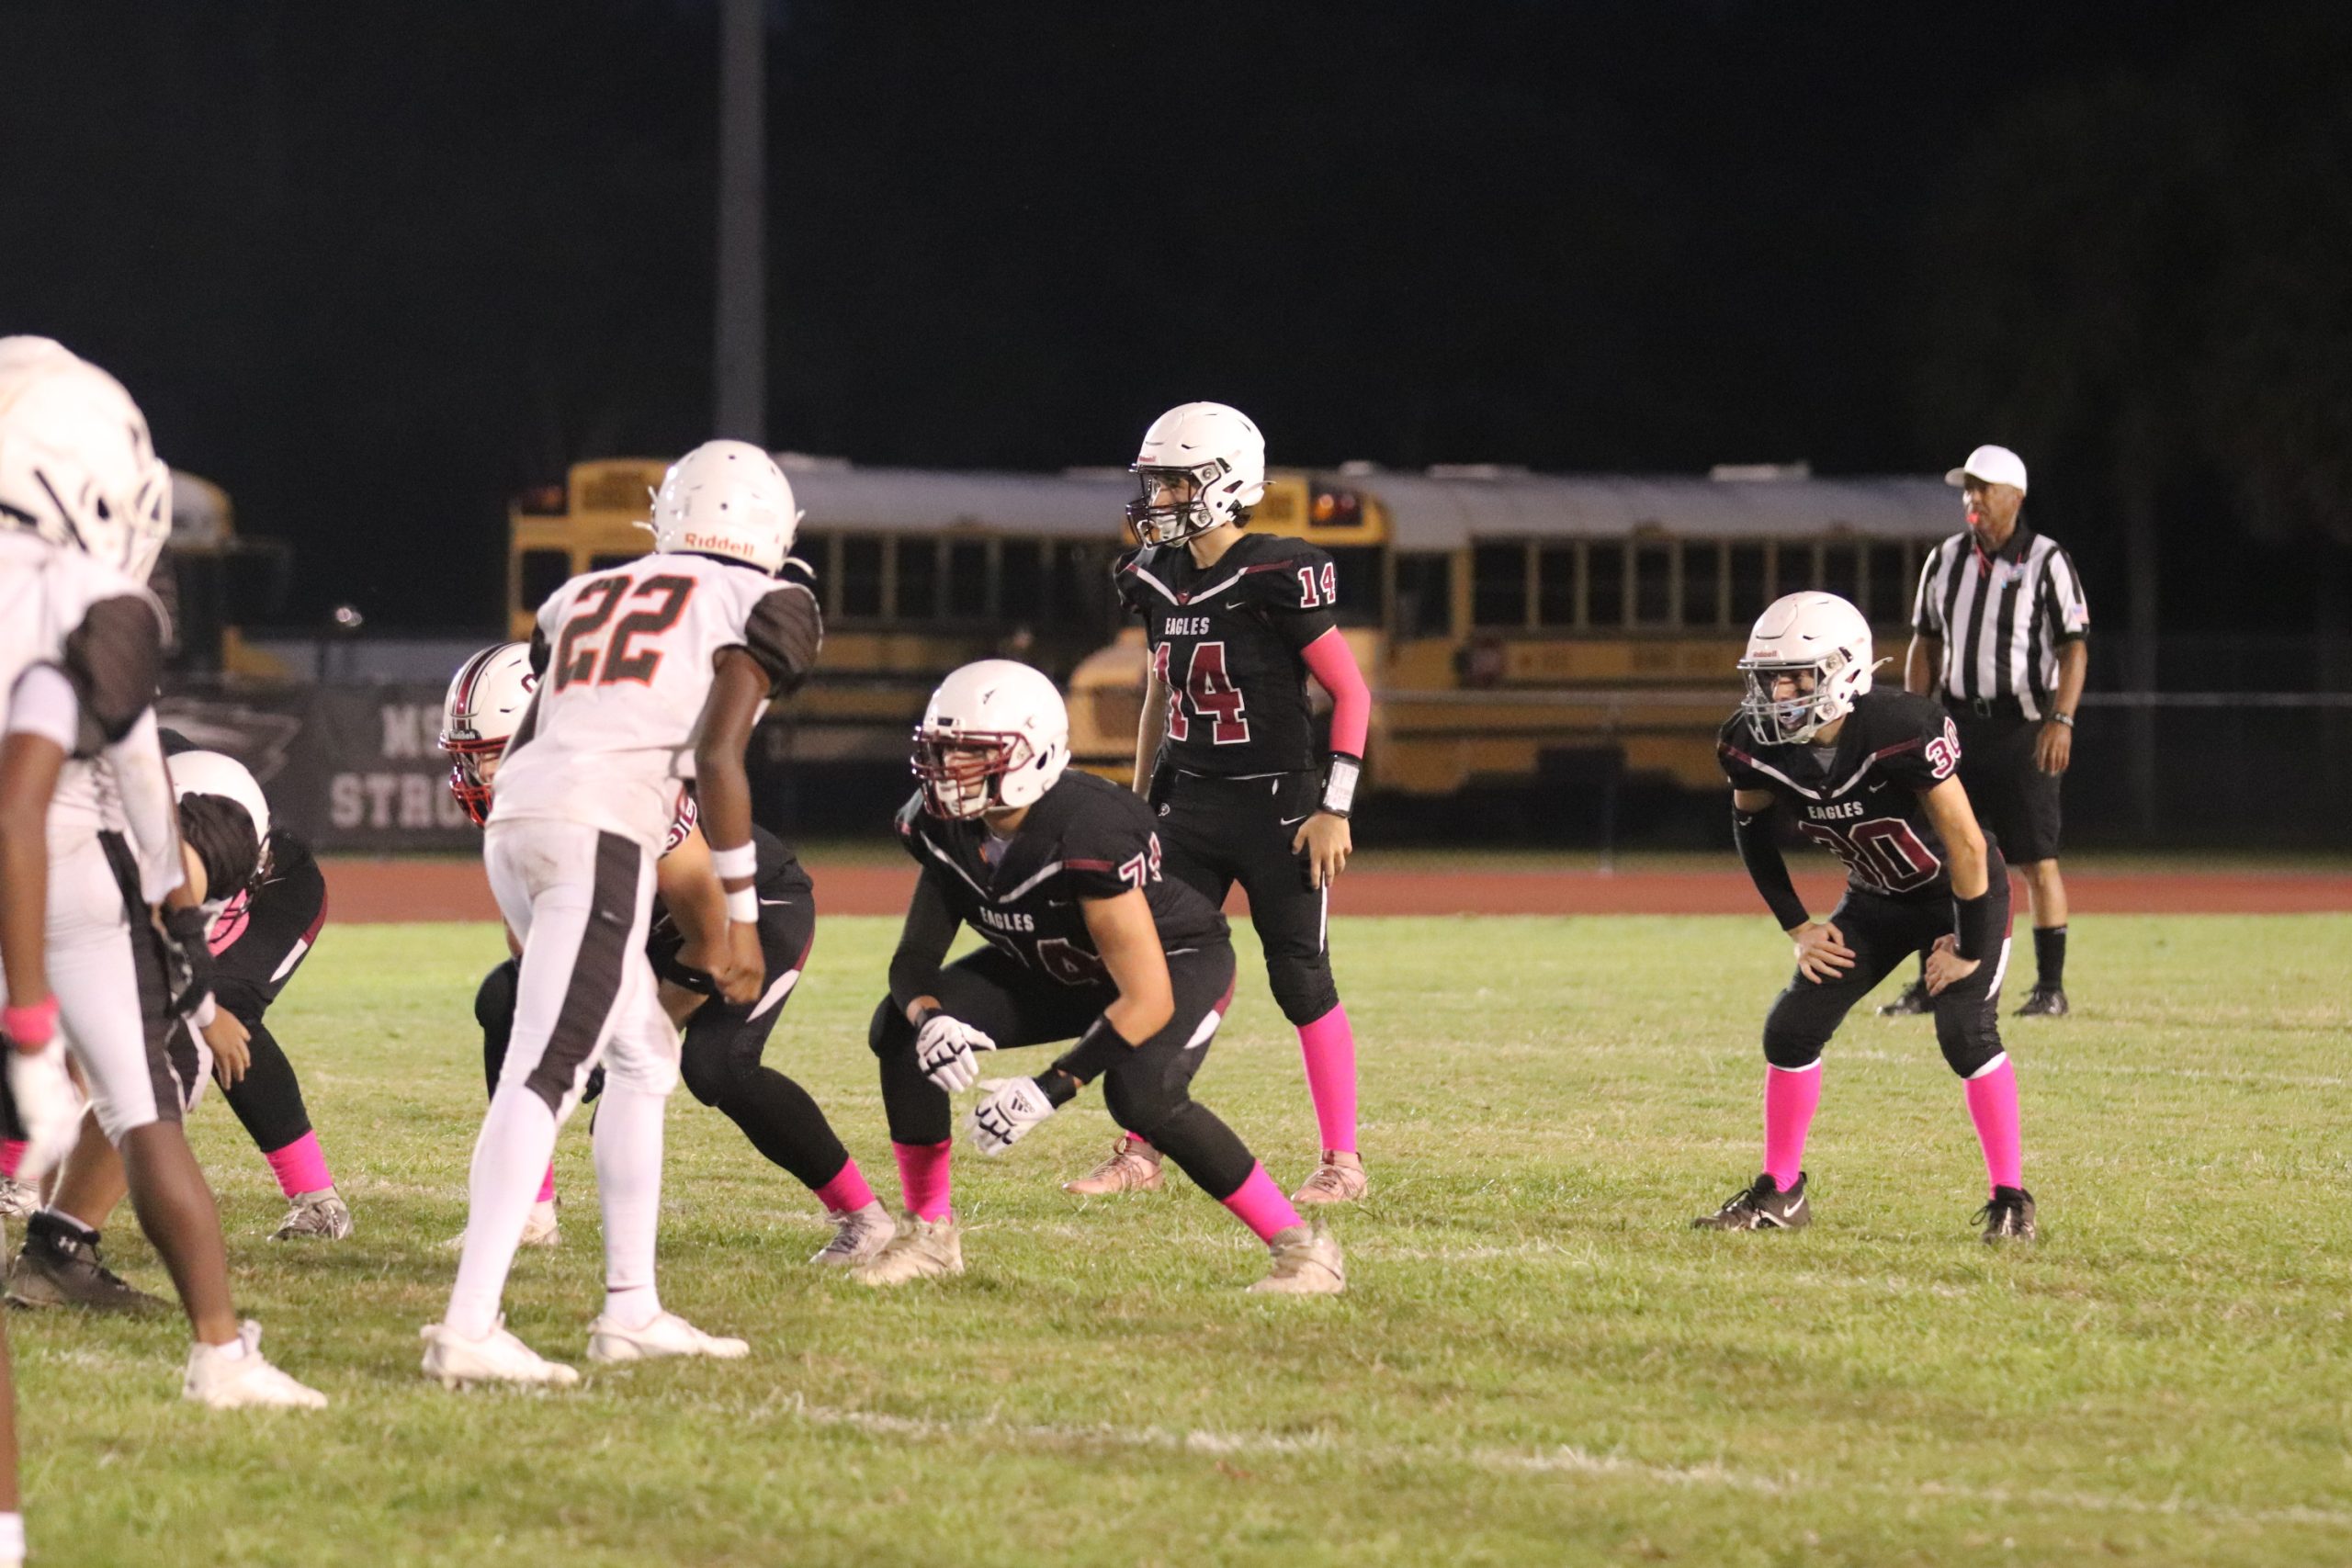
61 608
626 659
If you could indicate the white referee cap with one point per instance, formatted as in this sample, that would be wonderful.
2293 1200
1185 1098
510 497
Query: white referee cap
1993 464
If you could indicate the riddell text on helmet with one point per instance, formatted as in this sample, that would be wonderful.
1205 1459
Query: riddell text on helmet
711 542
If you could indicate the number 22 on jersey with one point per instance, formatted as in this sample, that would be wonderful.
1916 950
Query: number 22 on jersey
1214 698
623 655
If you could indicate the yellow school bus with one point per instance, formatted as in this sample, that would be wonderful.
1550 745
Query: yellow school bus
1509 622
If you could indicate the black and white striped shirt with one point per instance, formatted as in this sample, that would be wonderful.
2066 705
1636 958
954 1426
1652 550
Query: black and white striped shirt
2001 619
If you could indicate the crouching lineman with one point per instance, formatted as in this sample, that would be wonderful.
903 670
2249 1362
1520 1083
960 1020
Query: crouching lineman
86 504
724 1040
1870 775
651 674
1060 871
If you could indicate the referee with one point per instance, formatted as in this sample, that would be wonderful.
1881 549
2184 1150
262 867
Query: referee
1998 629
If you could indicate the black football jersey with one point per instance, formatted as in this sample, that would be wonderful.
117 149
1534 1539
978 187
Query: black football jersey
1863 805
1226 639
1088 837
778 877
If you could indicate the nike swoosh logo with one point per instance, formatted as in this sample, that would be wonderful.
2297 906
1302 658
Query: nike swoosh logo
1295 821
774 903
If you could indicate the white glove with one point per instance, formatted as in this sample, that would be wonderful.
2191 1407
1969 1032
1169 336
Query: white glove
1007 1112
943 1048
48 1106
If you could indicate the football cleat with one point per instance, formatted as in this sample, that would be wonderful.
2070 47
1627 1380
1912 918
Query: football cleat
539 1228
323 1215
246 1383
859 1237
1762 1207
18 1199
1914 1003
498 1356
2044 1001
1133 1166
1306 1262
2009 1217
923 1249
56 1268
1339 1180
668 1334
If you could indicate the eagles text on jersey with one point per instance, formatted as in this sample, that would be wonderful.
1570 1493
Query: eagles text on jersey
1862 804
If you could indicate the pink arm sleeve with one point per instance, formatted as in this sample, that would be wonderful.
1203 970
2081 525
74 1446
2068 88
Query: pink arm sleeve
1333 665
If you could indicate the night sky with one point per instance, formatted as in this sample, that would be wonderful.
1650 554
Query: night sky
374 268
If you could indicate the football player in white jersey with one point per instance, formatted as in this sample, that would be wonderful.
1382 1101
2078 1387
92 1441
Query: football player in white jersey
651 673
86 508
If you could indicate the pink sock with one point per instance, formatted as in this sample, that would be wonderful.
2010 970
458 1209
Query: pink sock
1260 1204
1329 1048
847 1191
546 1185
1790 1100
923 1179
12 1154
1993 1106
300 1166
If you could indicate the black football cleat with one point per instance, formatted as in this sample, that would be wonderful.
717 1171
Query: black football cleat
1912 1003
1763 1207
58 1268
2009 1217
2044 1001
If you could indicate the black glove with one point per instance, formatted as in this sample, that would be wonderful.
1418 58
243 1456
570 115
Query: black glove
187 958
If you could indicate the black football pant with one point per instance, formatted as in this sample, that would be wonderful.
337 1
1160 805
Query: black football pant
1148 1092
268 1099
1882 932
1215 832
719 1053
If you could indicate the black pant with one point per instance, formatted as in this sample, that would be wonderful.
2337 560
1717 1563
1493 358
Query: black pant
1149 1091
1882 932
1215 832
268 1099
2014 799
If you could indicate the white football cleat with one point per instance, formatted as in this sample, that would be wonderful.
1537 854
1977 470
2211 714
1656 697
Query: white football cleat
539 1229
18 1199
667 1335
923 1249
1339 1180
1306 1262
498 1356
858 1238
1131 1167
247 1382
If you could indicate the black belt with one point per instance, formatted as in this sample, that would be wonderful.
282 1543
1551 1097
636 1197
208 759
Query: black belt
1985 707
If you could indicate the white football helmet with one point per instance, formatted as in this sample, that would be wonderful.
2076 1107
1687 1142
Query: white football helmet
484 709
727 498
995 736
77 466
1210 456
1822 641
217 772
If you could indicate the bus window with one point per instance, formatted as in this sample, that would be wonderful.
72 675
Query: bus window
544 571
1701 583
816 550
861 568
1499 585
1841 572
1556 581
1891 584
968 598
1796 570
1751 583
918 564
1424 595
606 562
1653 584
1358 575
1604 568
1020 581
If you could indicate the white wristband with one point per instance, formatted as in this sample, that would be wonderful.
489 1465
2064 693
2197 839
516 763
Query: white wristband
743 907
743 860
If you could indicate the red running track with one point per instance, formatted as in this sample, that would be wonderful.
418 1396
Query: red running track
371 890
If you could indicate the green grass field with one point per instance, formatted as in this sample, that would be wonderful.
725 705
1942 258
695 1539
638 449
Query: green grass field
1537 1361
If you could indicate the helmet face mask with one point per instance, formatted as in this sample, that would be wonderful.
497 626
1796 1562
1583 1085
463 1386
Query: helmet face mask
963 772
1819 646
1171 504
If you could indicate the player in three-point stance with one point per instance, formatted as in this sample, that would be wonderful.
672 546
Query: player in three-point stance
1236 623
92 840
723 1040
651 673
1870 775
1061 872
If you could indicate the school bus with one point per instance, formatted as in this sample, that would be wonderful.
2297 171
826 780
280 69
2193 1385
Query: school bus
1510 624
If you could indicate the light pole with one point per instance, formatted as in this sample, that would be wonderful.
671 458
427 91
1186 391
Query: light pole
739 358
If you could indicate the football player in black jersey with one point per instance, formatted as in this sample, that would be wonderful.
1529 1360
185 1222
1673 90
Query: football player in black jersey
1870 776
1236 623
1087 940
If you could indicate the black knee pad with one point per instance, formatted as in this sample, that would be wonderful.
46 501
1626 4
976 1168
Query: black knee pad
1302 988
889 1032
1142 1106
1791 1049
1970 1034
